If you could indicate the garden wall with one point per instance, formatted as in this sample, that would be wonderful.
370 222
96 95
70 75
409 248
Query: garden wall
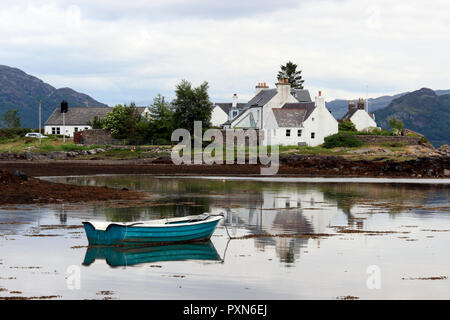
389 139
95 136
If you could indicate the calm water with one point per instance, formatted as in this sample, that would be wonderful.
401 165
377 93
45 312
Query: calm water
400 230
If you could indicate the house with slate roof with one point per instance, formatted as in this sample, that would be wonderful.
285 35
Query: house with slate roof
359 116
223 112
286 116
78 119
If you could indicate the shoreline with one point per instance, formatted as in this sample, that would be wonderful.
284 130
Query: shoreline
300 166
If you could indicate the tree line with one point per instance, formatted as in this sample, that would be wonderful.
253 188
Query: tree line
190 104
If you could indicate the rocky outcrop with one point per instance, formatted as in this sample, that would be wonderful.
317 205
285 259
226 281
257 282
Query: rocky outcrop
54 155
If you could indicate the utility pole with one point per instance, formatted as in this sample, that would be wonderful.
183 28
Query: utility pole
64 127
367 98
40 121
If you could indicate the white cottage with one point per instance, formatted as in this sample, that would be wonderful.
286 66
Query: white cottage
286 116
359 116
78 119
223 112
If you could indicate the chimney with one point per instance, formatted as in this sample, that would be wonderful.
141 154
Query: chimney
283 89
361 104
320 101
351 105
234 101
261 86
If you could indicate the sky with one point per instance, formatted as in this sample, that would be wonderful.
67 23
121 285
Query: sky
121 51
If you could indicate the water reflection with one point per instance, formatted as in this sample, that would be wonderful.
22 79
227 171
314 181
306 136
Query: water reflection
129 255
256 207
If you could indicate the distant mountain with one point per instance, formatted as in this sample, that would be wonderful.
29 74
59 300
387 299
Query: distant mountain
339 107
423 111
22 92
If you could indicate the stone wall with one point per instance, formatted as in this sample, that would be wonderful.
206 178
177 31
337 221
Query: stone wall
96 136
259 136
389 139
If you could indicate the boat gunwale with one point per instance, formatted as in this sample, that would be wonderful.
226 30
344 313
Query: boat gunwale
142 224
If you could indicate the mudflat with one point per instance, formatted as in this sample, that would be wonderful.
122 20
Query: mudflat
26 190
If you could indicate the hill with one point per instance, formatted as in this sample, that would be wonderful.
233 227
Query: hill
423 111
339 107
22 92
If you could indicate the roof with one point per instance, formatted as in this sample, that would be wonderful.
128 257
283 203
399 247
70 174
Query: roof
308 107
290 117
80 116
261 98
227 106
349 114
301 95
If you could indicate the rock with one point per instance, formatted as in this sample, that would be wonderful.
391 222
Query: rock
92 151
446 172
20 175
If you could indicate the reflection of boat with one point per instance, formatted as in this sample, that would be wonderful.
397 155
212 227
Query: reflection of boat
131 255
190 228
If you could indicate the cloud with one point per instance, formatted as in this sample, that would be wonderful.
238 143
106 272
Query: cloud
122 51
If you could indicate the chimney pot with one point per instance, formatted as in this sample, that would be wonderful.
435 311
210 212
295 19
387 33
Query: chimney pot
320 93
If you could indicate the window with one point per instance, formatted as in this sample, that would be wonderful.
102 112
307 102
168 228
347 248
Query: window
312 119
53 130
76 129
288 132
58 130
313 135
299 133
86 128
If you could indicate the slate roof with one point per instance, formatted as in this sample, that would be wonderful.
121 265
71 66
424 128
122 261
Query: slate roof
301 95
79 116
349 114
290 117
227 106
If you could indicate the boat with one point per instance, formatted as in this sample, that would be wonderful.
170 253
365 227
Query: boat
135 255
169 230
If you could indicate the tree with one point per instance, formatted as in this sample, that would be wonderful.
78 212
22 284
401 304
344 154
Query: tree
122 121
347 125
191 104
96 123
396 125
161 120
10 119
289 71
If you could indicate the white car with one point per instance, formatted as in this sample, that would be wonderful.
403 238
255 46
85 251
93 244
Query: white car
35 135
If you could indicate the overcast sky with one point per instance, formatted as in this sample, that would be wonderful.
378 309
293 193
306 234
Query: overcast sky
120 51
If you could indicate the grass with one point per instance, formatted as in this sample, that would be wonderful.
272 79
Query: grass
47 145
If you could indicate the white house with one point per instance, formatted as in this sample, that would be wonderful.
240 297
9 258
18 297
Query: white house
223 112
286 116
359 116
78 119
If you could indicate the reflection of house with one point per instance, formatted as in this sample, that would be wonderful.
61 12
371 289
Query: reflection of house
285 212
78 119
286 116
359 116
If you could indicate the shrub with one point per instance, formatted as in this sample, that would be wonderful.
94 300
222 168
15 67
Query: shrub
347 125
341 140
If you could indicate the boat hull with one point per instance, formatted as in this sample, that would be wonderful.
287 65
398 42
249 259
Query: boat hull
116 234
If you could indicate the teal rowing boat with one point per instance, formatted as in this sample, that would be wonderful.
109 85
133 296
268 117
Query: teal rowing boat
184 229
